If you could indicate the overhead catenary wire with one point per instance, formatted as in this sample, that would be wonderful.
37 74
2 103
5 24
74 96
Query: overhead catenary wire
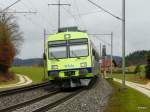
26 6
10 5
103 41
59 4
51 15
87 13
33 6
20 12
73 16
77 23
15 12
123 20
105 10
34 23
75 2
44 20
41 18
6 10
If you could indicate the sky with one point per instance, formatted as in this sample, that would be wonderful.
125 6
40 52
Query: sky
83 14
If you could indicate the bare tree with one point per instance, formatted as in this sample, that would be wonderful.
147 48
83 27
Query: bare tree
10 40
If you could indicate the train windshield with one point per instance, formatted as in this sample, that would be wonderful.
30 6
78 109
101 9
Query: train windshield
78 50
57 52
68 49
57 49
78 47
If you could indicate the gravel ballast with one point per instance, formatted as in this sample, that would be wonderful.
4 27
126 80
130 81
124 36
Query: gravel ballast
42 103
7 101
92 100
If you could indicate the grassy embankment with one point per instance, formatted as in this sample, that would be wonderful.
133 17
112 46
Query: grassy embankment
7 82
127 101
36 74
133 78
138 78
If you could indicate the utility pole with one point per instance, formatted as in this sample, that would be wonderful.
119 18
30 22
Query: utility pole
123 43
104 60
111 53
58 15
44 55
100 56
44 38
123 19
59 4
100 50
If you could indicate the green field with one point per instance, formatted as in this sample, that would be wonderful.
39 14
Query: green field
132 68
127 101
34 73
133 78
130 76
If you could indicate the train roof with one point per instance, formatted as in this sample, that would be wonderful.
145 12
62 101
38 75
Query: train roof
67 35
70 29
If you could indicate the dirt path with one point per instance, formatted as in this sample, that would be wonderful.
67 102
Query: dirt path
147 85
141 88
23 80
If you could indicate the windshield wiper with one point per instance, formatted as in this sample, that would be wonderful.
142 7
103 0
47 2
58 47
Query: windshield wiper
75 54
54 57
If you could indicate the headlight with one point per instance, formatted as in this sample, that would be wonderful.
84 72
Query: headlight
84 64
54 67
67 36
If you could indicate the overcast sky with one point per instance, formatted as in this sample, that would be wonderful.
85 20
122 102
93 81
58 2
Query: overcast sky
87 17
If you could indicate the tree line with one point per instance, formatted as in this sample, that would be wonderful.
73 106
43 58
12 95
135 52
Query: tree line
137 58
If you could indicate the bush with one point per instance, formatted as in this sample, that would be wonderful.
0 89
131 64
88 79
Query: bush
147 67
137 69
131 69
147 71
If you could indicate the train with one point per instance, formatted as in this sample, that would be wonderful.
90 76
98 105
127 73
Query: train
71 59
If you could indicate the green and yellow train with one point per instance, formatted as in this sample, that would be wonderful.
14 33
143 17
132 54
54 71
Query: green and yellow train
71 59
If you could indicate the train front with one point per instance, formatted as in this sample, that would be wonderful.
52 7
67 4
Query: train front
69 59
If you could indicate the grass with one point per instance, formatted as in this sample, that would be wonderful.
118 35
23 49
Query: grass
132 68
127 101
12 81
133 78
34 73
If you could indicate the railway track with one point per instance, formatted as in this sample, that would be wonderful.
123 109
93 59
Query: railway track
46 102
58 102
22 89
21 105
54 99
